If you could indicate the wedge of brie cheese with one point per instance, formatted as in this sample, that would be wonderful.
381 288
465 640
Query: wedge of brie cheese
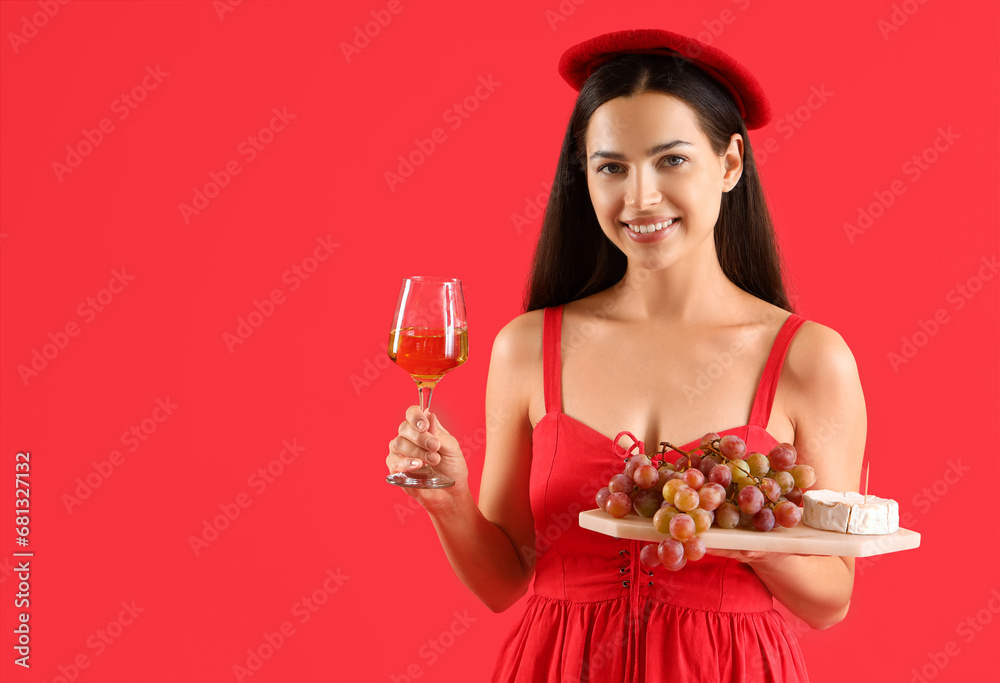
848 513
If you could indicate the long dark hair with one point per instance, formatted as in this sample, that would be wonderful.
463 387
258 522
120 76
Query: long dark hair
574 258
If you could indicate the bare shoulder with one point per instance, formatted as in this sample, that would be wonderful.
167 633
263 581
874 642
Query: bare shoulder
515 363
818 353
826 402
520 340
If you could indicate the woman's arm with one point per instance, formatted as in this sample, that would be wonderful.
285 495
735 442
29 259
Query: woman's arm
830 422
490 546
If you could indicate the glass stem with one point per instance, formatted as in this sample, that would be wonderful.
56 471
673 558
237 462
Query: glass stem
425 390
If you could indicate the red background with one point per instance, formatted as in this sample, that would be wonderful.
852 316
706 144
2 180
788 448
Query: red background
315 370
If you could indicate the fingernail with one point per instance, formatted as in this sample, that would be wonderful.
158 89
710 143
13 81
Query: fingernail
433 444
414 463
420 425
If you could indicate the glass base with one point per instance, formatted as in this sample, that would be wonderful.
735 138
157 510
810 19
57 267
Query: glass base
418 480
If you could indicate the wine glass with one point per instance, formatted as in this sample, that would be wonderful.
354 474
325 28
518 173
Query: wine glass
429 337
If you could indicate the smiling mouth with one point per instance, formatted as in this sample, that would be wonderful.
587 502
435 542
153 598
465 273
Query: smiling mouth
644 229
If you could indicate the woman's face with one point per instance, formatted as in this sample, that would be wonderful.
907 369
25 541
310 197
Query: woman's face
648 162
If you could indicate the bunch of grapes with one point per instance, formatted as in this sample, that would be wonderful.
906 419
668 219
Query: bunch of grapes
717 483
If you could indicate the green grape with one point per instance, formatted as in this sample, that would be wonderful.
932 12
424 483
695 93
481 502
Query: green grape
702 520
805 476
671 488
661 520
727 516
786 481
687 499
739 469
758 464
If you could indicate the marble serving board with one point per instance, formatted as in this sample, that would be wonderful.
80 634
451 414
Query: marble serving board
800 539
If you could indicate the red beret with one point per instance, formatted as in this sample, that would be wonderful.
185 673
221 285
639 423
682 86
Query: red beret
579 61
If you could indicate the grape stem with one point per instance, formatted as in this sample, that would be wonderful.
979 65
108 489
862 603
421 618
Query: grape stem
681 451
714 450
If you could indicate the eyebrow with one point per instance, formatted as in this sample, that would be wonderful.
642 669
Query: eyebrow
618 156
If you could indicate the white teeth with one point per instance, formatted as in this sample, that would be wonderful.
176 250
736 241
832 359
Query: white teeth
643 229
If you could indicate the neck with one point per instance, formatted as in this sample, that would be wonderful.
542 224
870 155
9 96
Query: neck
691 292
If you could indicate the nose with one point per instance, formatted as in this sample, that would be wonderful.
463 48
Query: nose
642 190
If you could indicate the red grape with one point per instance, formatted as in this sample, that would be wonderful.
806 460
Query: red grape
662 477
634 463
708 439
646 476
694 479
771 489
763 520
707 463
670 552
795 496
618 505
682 527
602 497
647 502
682 463
787 514
711 496
620 483
732 446
720 474
751 500
648 556
694 548
678 566
782 457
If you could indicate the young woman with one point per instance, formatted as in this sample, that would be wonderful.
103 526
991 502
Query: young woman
656 305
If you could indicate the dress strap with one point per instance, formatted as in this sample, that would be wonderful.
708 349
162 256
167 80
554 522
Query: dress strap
551 361
762 402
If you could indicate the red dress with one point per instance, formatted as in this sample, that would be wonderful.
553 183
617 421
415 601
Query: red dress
596 614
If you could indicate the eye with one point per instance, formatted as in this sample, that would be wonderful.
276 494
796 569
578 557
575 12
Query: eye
600 169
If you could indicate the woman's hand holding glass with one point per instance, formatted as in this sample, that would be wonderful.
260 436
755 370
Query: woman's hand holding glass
423 440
